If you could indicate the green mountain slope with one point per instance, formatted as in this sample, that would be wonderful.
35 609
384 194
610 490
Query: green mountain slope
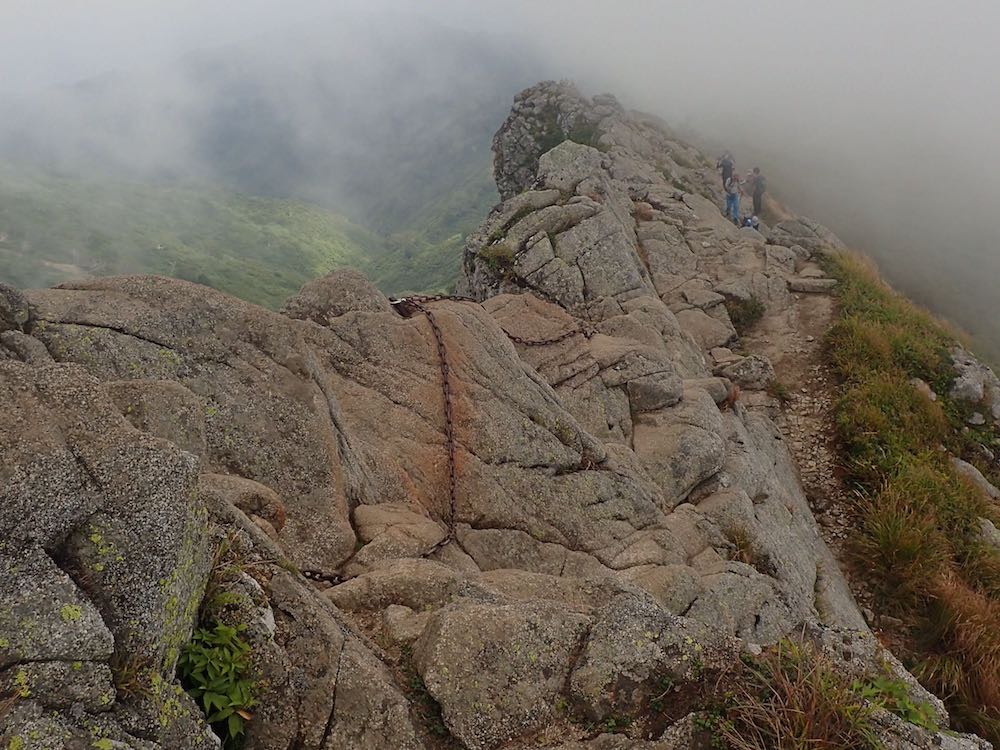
426 256
54 228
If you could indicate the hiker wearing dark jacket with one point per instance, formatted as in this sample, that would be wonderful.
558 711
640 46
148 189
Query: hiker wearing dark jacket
733 198
725 163
759 186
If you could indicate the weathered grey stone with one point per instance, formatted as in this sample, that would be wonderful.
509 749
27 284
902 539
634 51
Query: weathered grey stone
811 286
164 409
975 476
568 164
392 531
604 468
780 259
735 289
334 295
413 583
497 670
924 389
368 713
253 498
703 298
145 550
753 372
720 389
15 311
62 684
806 233
403 624
632 647
707 331
681 446
24 347
675 587
975 383
43 615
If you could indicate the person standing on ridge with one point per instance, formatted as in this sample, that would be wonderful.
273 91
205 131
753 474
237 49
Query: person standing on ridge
733 198
725 163
759 186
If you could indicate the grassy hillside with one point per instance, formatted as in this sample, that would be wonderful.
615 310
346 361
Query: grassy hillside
55 228
919 523
427 254
261 249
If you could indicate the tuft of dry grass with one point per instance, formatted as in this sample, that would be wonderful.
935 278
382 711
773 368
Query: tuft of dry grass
963 663
744 314
792 698
779 390
746 550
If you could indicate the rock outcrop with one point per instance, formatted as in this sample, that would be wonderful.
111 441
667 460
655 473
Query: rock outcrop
529 511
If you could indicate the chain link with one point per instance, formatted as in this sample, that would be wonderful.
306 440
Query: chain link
581 330
407 306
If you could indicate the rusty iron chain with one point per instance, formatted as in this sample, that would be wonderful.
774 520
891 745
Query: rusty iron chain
318 575
580 330
407 307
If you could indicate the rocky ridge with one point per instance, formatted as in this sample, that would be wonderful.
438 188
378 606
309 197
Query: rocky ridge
596 503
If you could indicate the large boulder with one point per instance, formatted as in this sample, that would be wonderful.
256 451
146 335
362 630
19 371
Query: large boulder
804 233
105 555
334 295
498 671
15 312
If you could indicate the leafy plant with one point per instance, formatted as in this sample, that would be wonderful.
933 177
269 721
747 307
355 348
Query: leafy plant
213 670
894 696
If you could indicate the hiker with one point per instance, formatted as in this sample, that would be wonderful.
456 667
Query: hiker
759 186
725 163
733 198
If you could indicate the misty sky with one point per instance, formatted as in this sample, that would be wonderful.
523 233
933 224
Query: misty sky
881 115
821 69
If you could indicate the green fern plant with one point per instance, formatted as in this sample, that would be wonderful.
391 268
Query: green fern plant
213 670
894 696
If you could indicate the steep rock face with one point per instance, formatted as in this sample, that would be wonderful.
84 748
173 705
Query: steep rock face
528 512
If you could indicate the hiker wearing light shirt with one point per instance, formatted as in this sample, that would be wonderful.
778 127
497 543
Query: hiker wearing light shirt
732 187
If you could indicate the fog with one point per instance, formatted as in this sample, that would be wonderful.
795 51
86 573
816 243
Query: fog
878 119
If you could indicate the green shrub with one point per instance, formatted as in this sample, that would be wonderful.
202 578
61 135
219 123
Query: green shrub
213 670
499 258
744 313
883 420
